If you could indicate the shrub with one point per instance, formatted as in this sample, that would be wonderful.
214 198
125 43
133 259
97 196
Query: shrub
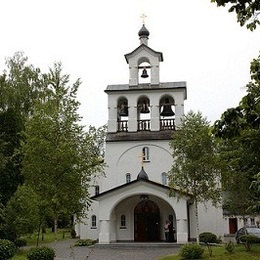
208 238
230 247
20 242
41 253
191 251
85 242
248 240
7 249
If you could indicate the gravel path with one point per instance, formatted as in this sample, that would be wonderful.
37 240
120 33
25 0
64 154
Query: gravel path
65 250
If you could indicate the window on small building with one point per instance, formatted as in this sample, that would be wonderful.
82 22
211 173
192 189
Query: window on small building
146 157
127 177
123 222
96 190
252 220
164 178
93 221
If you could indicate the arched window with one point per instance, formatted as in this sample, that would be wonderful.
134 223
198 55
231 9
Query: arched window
122 221
127 177
164 178
146 157
96 190
93 221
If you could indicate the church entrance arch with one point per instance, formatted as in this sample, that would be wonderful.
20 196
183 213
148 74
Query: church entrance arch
146 221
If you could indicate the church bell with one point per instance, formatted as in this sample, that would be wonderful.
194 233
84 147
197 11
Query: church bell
167 109
123 110
144 74
144 108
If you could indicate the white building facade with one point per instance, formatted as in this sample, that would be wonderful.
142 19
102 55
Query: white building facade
131 202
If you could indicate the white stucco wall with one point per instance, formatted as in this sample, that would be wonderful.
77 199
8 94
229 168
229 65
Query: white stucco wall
210 219
125 158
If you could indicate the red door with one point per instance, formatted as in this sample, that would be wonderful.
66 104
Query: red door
146 222
232 225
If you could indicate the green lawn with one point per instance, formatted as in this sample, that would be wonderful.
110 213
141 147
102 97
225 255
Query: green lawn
47 238
219 253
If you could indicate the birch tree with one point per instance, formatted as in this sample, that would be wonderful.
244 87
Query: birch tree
58 154
195 164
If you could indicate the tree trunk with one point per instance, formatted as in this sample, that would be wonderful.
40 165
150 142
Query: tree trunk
197 222
55 229
38 234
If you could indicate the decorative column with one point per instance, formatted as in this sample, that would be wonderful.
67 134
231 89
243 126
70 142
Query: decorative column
179 112
104 236
155 117
182 231
112 115
132 117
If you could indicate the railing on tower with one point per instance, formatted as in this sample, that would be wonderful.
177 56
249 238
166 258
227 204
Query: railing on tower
143 125
122 126
167 124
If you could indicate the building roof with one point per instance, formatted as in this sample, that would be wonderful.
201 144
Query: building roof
146 48
147 86
143 31
129 185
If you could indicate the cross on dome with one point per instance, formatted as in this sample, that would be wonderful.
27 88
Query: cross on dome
143 16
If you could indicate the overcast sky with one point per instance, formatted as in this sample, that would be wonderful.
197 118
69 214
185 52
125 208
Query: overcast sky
201 44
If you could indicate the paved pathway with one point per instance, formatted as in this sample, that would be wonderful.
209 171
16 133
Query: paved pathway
65 250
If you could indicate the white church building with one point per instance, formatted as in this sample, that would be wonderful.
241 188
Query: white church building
131 201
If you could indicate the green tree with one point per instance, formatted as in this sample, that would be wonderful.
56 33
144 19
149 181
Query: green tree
22 214
195 162
20 85
239 130
247 11
11 126
58 155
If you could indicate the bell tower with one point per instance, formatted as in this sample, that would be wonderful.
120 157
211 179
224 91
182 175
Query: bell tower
143 61
145 105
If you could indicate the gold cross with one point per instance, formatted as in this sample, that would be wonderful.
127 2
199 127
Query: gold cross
142 158
143 16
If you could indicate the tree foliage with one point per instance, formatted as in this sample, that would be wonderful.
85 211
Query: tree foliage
195 161
239 130
195 168
59 157
20 85
247 11
11 126
22 213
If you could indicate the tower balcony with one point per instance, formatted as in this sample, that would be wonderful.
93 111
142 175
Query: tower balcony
145 125
167 124
122 126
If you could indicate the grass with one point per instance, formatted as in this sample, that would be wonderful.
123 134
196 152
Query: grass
219 253
48 238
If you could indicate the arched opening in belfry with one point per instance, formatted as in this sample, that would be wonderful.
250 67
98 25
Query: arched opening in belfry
167 113
143 113
122 114
144 72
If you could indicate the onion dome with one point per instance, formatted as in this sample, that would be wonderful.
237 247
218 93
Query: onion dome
142 174
143 32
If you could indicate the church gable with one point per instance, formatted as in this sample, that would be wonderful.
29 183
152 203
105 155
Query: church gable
141 52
